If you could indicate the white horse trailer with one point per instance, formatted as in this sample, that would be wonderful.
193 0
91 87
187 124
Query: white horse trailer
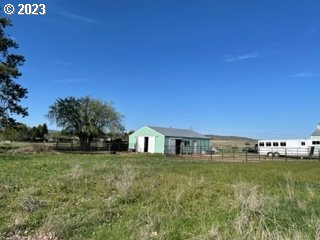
289 147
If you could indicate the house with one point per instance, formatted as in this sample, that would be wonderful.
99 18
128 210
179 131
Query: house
316 133
168 141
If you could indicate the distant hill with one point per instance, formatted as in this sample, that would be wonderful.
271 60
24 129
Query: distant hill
229 138
53 131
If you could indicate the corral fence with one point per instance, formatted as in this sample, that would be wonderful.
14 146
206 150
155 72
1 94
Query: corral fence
238 154
110 147
197 152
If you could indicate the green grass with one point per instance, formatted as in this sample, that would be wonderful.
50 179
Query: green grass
76 196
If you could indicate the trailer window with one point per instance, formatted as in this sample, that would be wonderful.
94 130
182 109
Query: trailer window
283 144
268 144
303 143
261 144
275 144
315 142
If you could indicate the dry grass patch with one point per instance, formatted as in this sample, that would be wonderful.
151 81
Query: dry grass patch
76 172
125 180
34 148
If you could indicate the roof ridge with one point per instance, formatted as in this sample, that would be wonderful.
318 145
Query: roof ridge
170 128
178 132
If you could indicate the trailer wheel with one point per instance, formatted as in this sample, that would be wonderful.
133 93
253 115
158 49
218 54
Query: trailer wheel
276 154
270 154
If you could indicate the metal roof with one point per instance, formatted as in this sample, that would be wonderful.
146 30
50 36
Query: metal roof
174 132
317 131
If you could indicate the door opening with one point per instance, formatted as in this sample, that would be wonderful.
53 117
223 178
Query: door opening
178 146
311 151
146 144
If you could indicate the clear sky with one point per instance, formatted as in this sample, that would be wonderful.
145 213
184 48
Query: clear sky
247 68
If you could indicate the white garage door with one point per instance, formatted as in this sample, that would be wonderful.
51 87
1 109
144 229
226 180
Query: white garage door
140 144
152 141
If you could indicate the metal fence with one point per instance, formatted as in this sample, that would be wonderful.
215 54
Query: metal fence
198 152
92 147
188 150
236 154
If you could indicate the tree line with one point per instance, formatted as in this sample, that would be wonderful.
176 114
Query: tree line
19 132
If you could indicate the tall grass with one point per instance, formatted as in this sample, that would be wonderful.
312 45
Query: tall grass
66 196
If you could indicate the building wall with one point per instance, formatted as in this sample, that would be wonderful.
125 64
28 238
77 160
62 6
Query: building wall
147 132
196 145
315 137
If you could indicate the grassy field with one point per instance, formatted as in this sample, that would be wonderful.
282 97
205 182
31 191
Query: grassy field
76 196
229 145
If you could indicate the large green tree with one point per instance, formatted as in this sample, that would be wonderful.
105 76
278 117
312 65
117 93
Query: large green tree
17 132
11 92
85 117
38 133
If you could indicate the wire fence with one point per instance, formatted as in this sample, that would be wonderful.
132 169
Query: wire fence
246 154
239 155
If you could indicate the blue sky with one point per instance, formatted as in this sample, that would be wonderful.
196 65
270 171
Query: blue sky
247 68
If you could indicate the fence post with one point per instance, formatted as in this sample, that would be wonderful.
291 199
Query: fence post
234 153
211 154
246 156
222 153
71 145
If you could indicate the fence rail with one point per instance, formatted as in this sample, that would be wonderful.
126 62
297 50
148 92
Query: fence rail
305 151
195 153
236 154
94 146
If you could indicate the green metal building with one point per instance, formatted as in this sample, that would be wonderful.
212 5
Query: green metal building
168 141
